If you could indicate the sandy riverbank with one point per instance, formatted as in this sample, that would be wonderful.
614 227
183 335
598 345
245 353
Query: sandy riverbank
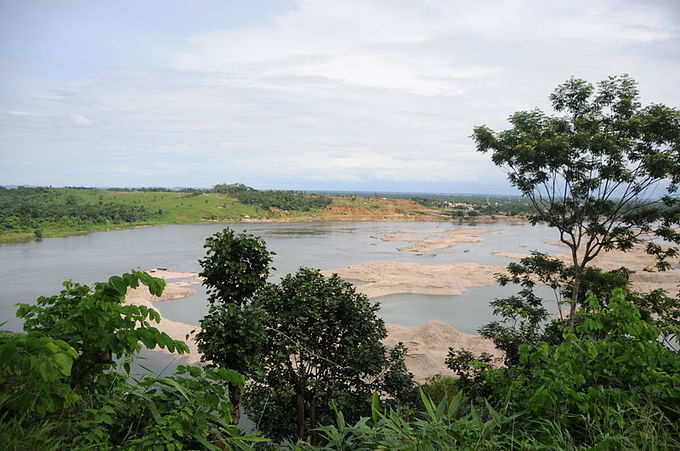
643 277
428 346
385 278
424 242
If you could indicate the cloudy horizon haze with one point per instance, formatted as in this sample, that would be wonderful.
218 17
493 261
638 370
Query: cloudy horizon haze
311 95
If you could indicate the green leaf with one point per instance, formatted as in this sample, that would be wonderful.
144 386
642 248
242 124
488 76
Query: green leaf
118 284
64 363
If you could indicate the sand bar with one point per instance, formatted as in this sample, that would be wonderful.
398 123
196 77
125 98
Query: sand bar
428 346
644 276
175 329
385 278
441 240
164 273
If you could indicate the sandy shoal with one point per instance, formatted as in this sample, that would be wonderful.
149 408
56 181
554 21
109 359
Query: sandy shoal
165 274
429 343
442 240
516 255
643 277
385 278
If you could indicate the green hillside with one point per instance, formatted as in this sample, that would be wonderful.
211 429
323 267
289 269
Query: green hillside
28 213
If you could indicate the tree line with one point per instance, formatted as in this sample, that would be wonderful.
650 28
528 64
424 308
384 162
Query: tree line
28 208
270 199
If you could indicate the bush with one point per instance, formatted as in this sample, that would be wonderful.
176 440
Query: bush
60 387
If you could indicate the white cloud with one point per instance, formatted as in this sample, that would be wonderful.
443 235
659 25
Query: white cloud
353 92
415 47
80 120
21 113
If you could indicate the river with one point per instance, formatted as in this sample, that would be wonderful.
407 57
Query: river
29 270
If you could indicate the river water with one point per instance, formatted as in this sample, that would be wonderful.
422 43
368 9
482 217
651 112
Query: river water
29 270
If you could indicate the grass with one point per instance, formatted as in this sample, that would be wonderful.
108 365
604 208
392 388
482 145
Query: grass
201 208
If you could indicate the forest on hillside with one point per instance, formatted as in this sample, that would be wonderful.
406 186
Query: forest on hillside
28 209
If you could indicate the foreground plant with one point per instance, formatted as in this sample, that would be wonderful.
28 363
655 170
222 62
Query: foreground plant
61 387
98 324
610 380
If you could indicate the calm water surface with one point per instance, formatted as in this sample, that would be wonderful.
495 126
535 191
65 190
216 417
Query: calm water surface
29 270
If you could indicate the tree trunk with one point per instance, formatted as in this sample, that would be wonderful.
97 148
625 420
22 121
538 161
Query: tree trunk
235 398
300 398
314 418
574 297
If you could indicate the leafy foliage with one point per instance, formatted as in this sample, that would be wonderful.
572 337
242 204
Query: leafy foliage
60 388
450 424
231 188
270 199
609 384
283 200
234 266
114 329
607 374
324 346
188 410
34 371
440 387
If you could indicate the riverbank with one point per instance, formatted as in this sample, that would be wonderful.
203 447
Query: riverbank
166 207
26 236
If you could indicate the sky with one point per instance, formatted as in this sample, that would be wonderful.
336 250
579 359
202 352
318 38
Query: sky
314 95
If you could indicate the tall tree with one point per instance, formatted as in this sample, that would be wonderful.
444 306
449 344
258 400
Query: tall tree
324 346
603 171
232 332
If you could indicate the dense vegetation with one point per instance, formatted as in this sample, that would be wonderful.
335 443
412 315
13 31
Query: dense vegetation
608 383
36 209
269 199
283 200
304 343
